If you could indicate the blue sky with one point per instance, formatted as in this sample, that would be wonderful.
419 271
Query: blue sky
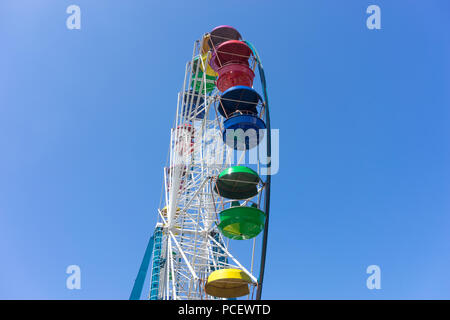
364 126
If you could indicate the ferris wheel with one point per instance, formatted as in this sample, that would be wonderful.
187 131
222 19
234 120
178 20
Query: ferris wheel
211 236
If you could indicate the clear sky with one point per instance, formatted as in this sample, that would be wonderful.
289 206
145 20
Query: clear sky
364 120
